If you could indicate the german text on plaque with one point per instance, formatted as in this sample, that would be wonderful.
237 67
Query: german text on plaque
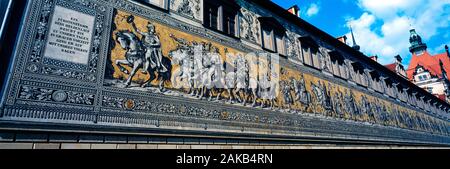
69 36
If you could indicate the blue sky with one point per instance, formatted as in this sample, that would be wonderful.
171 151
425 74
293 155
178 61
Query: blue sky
381 27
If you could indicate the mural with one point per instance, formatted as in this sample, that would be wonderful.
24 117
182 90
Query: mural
190 8
148 56
249 27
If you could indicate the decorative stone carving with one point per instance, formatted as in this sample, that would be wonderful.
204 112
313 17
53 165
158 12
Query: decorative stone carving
325 59
188 8
249 26
57 67
43 94
293 46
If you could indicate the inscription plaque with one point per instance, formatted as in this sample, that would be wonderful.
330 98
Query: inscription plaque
69 36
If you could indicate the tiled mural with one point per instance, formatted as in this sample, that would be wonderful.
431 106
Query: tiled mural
149 56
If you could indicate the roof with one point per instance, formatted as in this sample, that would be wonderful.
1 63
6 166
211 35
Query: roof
429 62
391 66
441 96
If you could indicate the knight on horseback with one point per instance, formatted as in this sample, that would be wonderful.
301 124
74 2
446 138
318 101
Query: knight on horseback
152 44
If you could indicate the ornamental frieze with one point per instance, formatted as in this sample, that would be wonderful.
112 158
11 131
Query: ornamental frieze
117 63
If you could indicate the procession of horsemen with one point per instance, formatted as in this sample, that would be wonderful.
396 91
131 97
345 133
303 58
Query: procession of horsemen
204 74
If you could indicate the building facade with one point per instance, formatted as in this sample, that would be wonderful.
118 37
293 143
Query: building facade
429 71
244 69
397 66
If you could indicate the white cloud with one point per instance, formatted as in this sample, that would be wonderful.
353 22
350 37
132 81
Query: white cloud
390 8
439 49
383 29
313 9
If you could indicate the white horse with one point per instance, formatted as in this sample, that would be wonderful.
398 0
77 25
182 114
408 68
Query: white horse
181 57
215 77
242 78
267 91
199 72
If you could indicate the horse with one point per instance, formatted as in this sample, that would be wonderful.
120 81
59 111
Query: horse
214 77
318 94
134 55
267 91
301 94
241 79
135 58
230 84
181 57
162 77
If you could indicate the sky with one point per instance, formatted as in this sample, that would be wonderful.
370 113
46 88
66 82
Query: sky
381 27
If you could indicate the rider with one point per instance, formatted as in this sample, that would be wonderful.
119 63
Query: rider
153 54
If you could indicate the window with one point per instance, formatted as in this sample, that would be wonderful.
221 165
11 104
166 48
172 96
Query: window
337 62
306 52
316 61
343 71
309 52
429 89
211 16
281 47
221 15
159 3
423 77
273 35
419 70
358 75
335 69
229 26
268 39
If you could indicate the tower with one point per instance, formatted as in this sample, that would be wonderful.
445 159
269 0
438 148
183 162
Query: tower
355 46
446 51
295 10
398 59
417 46
444 73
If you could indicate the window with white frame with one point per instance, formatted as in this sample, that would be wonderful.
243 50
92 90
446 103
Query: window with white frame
159 3
211 18
429 89
222 16
229 23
